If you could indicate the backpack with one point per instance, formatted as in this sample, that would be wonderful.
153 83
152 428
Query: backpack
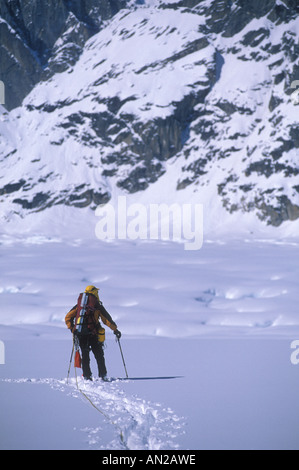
85 322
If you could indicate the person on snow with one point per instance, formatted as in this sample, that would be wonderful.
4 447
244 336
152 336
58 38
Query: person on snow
83 320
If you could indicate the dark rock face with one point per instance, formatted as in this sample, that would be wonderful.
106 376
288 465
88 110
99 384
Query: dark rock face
28 39
239 128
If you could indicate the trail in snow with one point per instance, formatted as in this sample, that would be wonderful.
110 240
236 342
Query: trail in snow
138 424
224 317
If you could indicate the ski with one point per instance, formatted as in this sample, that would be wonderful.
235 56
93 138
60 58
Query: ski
124 379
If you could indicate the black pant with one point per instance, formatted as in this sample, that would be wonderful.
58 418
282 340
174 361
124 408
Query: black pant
87 343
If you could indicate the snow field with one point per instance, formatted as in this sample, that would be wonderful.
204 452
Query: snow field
223 318
235 393
149 287
136 423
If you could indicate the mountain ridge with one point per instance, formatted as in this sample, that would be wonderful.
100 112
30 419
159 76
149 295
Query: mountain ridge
203 87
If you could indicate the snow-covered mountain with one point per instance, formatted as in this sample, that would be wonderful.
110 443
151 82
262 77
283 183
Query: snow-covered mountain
185 101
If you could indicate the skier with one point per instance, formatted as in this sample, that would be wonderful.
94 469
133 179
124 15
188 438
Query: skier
83 321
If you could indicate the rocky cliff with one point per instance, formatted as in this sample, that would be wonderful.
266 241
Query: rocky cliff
39 38
118 94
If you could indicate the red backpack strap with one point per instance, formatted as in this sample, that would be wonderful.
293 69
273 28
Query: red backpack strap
91 321
92 301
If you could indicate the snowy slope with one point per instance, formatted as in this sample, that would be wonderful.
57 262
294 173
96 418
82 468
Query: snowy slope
237 394
162 92
223 318
248 287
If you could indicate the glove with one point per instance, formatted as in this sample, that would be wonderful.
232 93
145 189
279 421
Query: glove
117 334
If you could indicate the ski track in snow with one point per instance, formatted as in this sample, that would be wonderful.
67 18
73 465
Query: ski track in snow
138 424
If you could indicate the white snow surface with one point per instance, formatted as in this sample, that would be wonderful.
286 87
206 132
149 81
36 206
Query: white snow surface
221 318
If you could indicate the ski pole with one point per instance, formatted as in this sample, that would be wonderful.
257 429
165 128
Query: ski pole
122 356
68 374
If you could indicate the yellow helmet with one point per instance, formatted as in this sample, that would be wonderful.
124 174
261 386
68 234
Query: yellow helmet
92 290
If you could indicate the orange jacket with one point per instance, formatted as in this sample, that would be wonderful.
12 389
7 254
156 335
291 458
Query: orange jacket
99 313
